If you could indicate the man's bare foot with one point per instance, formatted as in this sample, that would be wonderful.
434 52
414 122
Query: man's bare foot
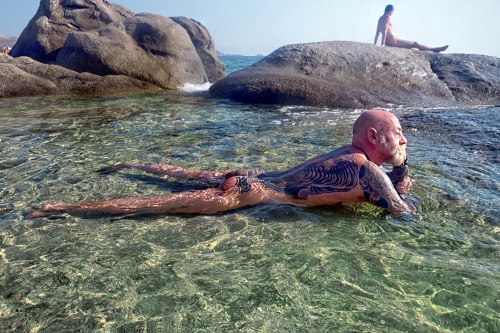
53 207
441 49
114 167
33 214
48 209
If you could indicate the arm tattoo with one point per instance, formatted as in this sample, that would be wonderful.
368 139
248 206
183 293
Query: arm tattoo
378 189
327 176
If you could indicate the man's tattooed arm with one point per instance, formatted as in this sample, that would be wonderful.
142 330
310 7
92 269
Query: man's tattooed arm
379 190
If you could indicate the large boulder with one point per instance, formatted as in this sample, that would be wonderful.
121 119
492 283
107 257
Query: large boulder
205 47
24 76
147 47
55 19
355 75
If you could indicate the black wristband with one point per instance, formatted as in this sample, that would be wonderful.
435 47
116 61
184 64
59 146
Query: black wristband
399 172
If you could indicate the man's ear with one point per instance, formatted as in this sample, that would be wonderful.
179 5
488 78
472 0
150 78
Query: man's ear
372 135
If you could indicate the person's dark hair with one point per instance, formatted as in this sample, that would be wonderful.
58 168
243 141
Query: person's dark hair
389 8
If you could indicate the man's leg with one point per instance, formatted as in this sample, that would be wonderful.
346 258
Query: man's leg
410 45
234 193
213 178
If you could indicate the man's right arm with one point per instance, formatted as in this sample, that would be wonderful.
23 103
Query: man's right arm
379 190
383 26
376 36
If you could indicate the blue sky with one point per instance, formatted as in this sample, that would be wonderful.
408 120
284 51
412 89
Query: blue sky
261 26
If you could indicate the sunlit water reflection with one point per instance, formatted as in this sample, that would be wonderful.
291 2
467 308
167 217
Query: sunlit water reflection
346 268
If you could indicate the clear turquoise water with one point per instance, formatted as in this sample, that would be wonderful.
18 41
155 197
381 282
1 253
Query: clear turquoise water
347 268
236 62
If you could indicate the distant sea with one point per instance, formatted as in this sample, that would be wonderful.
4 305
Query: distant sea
233 63
236 62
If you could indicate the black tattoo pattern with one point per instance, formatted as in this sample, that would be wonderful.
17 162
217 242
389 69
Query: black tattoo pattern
327 176
378 189
243 184
248 172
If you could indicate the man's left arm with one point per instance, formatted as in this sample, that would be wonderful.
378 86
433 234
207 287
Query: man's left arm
400 177
379 190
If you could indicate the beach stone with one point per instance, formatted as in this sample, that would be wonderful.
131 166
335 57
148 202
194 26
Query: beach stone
356 75
46 33
205 47
148 47
24 76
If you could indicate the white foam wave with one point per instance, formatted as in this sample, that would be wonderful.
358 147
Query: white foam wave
191 87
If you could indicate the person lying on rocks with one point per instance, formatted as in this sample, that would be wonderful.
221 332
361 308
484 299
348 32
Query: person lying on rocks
351 173
389 37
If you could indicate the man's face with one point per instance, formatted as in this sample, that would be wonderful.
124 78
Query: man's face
393 142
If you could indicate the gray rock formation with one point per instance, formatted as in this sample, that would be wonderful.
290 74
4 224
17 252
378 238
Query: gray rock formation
55 19
147 47
205 47
470 77
24 76
355 75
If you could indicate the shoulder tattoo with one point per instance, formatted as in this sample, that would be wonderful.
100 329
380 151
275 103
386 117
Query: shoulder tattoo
328 176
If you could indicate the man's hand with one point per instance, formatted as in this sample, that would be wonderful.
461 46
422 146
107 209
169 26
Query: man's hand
114 167
405 186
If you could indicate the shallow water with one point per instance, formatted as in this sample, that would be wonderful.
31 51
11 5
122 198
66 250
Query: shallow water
347 268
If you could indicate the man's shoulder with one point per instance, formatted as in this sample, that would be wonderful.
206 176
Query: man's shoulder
368 169
351 153
384 19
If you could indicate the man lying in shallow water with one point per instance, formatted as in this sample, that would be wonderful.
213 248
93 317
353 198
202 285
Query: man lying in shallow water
348 174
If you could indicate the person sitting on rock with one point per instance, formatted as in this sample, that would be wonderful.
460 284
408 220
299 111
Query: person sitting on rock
351 173
389 37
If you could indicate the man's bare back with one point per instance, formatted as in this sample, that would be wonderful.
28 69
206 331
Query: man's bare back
349 174
389 37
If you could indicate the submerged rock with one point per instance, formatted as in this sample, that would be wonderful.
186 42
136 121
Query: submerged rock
55 19
147 47
24 76
351 75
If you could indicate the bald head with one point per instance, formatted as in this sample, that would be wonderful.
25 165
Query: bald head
379 135
377 119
